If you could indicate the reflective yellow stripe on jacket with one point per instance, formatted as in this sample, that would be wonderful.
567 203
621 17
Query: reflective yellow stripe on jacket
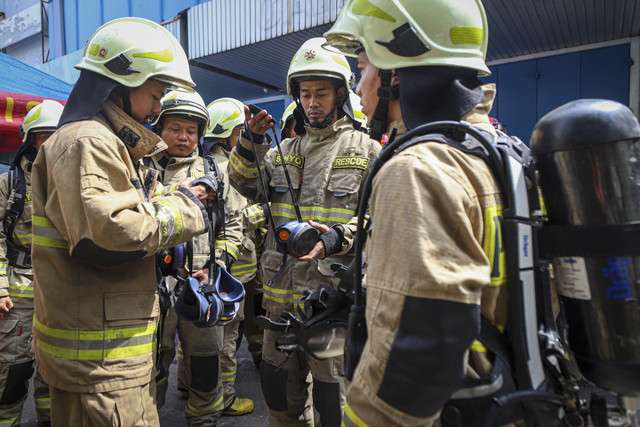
95 345
3 268
316 213
227 246
46 234
237 164
24 239
350 419
21 291
240 269
256 212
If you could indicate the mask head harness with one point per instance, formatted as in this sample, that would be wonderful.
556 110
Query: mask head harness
386 93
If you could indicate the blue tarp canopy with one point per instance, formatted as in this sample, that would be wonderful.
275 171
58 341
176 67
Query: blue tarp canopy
19 77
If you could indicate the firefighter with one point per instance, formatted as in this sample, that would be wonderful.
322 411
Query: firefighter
287 123
328 163
227 121
439 202
97 224
16 274
181 123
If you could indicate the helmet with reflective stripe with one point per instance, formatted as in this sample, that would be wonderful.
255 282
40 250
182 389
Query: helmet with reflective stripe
133 50
44 117
358 115
288 114
188 105
225 114
312 62
411 33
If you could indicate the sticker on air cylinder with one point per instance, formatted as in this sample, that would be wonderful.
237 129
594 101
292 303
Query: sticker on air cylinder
571 278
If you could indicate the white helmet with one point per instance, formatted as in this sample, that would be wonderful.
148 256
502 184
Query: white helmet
188 105
44 117
132 50
311 60
358 115
411 33
286 115
225 114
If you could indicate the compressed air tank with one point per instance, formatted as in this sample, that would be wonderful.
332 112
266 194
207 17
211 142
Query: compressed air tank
587 156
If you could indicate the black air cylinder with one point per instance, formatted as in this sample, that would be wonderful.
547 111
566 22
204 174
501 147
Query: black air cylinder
587 155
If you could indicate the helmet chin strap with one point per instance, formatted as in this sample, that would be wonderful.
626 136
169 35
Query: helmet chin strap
386 93
327 120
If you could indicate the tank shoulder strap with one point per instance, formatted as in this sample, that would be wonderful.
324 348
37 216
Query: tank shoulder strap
15 201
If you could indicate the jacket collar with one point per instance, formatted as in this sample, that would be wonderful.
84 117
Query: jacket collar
139 140
479 115
165 160
340 126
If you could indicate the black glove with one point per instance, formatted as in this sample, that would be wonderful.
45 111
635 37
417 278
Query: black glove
332 240
226 259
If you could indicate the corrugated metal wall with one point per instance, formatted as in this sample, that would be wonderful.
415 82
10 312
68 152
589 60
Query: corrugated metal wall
221 25
525 27
83 17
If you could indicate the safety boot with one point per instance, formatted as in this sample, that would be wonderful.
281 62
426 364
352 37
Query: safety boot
239 407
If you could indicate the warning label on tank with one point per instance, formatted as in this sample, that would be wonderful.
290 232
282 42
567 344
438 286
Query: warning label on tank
571 278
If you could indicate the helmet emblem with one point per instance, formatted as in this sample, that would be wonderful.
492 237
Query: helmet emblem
102 53
309 55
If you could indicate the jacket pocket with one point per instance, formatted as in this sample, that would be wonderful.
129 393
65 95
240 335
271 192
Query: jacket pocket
343 182
127 308
95 181
8 340
279 179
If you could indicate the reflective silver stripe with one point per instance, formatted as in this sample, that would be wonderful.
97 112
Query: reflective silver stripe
24 239
316 213
228 376
257 214
226 245
239 269
282 296
216 407
43 403
21 291
46 234
95 345
8 422
239 167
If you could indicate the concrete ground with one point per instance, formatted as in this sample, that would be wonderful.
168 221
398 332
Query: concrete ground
172 414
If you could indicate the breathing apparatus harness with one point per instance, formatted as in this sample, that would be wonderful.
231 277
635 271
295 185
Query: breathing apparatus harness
18 256
530 379
295 237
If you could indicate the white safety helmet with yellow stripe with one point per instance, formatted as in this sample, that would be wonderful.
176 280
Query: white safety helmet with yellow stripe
312 62
288 114
43 117
225 114
358 115
411 33
188 105
132 50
